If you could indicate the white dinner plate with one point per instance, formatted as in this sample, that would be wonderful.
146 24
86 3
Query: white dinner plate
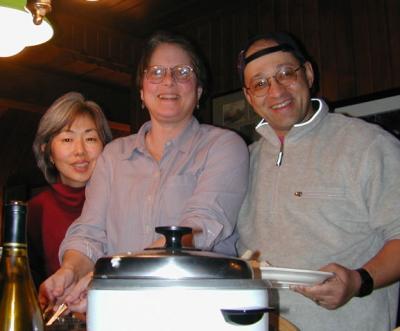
284 277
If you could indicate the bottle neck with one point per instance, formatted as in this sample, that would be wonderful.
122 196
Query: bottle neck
15 225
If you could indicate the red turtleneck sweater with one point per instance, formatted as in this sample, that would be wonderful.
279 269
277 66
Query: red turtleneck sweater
50 213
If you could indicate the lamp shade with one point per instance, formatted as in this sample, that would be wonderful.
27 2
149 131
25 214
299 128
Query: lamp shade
17 29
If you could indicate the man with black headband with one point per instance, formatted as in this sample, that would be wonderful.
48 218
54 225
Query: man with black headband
324 194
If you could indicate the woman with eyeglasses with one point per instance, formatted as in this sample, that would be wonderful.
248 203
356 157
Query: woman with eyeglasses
174 171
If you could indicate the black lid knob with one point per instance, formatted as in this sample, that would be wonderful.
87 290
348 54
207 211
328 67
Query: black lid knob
173 235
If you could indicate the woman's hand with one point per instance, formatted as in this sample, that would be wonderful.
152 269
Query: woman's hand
53 290
77 297
159 243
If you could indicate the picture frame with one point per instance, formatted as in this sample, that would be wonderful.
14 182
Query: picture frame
232 111
381 109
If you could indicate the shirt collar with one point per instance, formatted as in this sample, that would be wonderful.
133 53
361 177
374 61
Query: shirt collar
135 143
183 141
300 128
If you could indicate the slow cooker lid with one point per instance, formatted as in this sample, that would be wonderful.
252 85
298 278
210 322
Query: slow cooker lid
172 262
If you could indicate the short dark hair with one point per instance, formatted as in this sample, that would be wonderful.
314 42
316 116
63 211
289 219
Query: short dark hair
168 37
282 38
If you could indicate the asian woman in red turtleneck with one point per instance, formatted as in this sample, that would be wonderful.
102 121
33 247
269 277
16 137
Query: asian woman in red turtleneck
70 137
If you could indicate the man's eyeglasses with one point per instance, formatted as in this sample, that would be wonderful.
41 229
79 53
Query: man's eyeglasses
285 76
180 73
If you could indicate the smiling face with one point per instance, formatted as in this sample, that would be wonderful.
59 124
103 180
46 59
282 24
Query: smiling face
170 101
282 106
74 151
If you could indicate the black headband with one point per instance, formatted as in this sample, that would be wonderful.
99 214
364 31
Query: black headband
242 61
268 50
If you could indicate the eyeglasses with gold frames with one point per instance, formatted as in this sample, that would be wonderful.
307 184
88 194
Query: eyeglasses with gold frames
180 73
259 86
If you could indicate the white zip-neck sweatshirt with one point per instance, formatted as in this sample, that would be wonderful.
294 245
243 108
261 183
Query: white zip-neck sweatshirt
335 198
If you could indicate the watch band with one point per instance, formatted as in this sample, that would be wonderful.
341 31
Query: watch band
367 283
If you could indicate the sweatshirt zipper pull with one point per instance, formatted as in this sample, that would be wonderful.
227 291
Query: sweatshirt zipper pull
280 156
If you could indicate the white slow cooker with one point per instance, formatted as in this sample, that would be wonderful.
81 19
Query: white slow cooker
176 289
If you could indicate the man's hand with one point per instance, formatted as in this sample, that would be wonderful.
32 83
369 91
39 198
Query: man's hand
335 291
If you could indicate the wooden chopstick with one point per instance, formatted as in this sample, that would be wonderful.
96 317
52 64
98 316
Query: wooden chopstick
63 307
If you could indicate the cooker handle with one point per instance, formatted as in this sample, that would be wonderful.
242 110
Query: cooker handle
244 316
173 235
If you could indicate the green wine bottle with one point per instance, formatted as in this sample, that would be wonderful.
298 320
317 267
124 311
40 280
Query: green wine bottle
19 307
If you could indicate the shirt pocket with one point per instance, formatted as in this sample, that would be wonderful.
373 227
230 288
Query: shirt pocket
329 203
329 209
175 195
321 194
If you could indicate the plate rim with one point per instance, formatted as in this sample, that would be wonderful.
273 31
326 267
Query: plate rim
293 270
319 276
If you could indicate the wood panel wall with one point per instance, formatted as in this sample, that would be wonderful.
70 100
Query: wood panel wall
355 43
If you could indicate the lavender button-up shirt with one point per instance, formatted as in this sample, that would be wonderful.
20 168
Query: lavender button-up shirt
199 182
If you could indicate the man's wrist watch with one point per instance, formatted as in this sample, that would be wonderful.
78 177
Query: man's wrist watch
367 283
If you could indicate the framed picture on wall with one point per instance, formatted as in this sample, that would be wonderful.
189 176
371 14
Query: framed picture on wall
381 110
232 111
